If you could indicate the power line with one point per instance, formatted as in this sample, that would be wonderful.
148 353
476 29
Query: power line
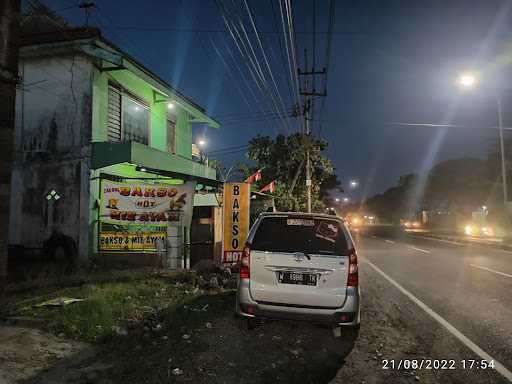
330 28
254 120
238 114
242 75
228 149
249 12
228 70
281 48
288 113
231 153
293 53
376 33
268 88
247 53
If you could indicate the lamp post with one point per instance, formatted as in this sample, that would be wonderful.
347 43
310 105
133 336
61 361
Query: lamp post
502 151
469 81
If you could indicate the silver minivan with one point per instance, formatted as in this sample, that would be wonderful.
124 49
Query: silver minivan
299 266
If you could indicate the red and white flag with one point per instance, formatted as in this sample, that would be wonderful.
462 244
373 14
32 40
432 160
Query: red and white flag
271 187
256 176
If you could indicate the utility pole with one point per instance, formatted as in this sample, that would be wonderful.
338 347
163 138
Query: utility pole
9 30
308 160
87 6
307 111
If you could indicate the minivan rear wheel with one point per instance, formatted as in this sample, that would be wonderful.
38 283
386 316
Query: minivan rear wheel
344 344
246 324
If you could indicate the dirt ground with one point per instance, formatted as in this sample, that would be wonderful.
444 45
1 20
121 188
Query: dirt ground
201 342
24 352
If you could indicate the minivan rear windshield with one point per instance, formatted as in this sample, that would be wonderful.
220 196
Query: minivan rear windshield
300 234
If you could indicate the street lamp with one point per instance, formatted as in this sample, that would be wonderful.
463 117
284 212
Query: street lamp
201 143
345 199
468 80
354 183
337 199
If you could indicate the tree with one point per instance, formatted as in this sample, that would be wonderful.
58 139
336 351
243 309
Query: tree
283 159
393 204
456 186
460 186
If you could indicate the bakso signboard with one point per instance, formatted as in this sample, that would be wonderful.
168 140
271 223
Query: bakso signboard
124 203
131 241
236 220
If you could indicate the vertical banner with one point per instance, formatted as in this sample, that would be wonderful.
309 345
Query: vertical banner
236 220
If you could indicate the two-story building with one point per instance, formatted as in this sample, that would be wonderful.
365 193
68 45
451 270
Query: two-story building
91 120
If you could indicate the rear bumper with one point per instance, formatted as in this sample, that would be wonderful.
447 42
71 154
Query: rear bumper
346 315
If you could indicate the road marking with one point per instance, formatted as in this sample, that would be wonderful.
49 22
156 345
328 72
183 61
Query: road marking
389 241
490 270
421 250
441 240
466 245
454 331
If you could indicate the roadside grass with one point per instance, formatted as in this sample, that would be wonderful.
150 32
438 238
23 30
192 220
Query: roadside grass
143 323
114 302
51 278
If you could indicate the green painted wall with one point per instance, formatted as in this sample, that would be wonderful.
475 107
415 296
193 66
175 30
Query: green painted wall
158 111
158 136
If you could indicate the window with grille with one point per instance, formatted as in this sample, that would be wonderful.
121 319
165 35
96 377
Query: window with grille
114 115
128 118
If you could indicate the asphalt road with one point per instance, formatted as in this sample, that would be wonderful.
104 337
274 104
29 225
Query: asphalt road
428 308
448 301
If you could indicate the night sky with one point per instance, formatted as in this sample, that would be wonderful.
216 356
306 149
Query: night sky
391 62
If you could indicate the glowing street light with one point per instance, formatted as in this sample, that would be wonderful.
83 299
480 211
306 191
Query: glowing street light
170 105
201 142
467 80
345 199
354 183
337 199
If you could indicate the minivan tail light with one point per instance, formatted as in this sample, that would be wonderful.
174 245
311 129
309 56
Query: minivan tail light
245 269
353 278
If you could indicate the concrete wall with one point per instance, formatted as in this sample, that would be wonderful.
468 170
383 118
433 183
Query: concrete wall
53 134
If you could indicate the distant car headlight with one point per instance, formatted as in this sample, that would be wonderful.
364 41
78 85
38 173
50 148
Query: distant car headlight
487 231
468 230
407 224
416 224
